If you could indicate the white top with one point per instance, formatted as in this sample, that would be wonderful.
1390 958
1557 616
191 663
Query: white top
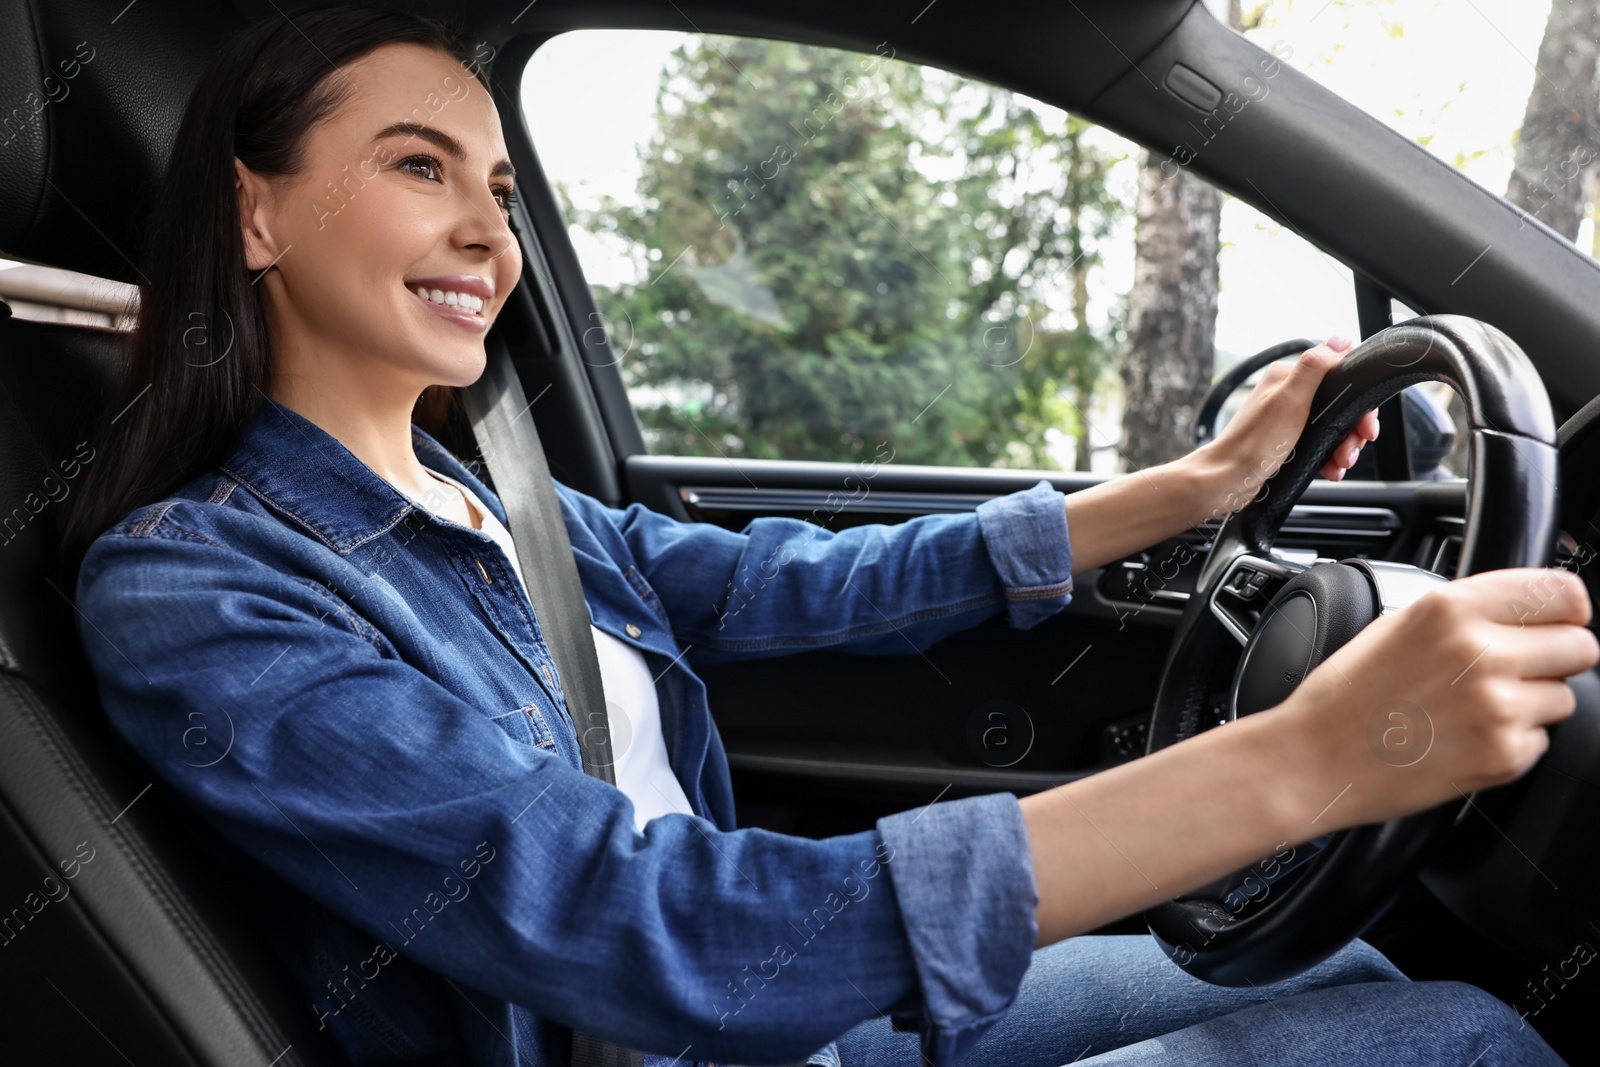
632 708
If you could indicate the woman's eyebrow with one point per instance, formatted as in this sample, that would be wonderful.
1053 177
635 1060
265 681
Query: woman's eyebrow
450 145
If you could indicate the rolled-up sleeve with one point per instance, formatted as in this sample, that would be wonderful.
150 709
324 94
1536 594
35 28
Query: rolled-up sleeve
963 874
1026 536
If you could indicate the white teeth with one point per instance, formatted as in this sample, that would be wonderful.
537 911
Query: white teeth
451 298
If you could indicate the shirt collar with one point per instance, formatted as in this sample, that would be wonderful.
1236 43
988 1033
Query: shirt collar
306 474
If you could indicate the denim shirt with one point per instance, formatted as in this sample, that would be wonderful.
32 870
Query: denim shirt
355 699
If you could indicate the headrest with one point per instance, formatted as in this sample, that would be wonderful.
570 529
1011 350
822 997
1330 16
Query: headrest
91 94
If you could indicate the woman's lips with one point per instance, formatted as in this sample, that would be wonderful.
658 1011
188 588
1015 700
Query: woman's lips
465 319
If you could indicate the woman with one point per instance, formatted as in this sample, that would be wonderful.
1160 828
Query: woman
303 613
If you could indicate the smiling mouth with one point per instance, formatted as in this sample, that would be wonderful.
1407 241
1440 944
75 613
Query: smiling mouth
460 312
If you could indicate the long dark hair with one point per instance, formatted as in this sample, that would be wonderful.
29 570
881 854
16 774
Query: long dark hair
178 403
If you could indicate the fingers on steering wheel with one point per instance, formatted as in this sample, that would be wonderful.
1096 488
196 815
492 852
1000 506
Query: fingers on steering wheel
1523 595
1344 456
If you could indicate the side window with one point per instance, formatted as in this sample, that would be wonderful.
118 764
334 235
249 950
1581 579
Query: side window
803 253
1527 133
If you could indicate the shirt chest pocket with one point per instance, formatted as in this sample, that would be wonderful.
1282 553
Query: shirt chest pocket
528 725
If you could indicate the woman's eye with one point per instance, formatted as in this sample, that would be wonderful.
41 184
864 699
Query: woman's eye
506 194
422 161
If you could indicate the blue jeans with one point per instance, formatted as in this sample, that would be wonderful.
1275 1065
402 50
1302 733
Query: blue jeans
1099 1001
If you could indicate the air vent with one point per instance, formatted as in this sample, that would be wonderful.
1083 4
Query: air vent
1327 521
1440 550
1447 556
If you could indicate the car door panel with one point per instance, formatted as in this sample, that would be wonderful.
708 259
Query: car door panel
825 741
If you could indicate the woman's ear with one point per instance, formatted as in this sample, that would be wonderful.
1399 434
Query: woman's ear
255 197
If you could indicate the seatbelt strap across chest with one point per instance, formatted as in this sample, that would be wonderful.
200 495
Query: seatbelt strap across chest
509 443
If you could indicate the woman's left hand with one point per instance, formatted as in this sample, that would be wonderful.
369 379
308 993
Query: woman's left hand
1260 437
1119 516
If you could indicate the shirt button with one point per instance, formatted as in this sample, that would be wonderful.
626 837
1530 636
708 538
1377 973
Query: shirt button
633 631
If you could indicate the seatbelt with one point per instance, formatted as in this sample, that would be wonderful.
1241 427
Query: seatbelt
504 430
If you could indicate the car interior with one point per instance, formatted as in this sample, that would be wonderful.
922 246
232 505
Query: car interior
149 958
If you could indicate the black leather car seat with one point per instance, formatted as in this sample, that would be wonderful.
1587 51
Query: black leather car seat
120 942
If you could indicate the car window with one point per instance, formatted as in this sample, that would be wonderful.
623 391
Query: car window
801 252
1460 80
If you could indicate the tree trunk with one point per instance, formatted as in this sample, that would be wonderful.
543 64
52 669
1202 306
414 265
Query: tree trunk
1172 310
1082 457
1559 140
1084 390
1172 314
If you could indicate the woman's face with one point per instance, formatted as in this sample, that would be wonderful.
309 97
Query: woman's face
404 188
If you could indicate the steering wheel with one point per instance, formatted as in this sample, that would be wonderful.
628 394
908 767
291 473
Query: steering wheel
1294 909
1579 439
1430 435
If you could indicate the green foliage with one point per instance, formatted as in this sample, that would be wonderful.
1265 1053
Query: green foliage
1254 18
843 249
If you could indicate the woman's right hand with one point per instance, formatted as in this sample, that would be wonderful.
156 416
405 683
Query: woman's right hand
1450 694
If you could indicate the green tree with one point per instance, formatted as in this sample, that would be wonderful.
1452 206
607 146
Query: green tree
843 249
